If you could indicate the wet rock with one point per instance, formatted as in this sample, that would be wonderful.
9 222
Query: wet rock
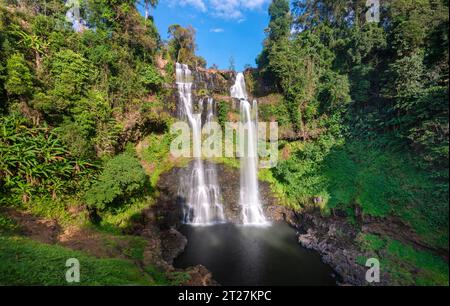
200 276
335 240
280 213
213 81
174 244
168 210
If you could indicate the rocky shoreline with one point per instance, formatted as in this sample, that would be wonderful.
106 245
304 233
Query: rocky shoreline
334 239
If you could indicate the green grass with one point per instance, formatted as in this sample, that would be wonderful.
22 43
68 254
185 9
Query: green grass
174 278
427 269
404 264
51 208
124 216
8 225
26 262
371 243
136 248
157 153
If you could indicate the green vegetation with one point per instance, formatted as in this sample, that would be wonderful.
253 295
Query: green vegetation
275 112
26 262
399 260
223 108
372 243
369 103
35 163
121 179
157 154
7 225
182 46
67 99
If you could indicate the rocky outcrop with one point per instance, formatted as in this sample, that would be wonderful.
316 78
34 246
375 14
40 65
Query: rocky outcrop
213 81
229 180
206 83
160 223
169 206
200 276
138 122
174 244
336 240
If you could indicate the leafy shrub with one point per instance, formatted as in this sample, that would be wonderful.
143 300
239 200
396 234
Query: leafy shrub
300 174
150 77
18 79
35 161
121 178
278 112
223 108
91 118
73 135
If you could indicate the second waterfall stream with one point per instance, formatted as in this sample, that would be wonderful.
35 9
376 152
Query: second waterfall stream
252 211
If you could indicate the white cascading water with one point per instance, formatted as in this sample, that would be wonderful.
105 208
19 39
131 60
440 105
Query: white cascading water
199 187
252 212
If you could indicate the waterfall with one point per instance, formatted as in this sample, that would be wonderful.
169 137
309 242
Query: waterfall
198 185
252 212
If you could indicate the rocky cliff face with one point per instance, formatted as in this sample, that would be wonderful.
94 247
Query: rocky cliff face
214 82
169 206
206 83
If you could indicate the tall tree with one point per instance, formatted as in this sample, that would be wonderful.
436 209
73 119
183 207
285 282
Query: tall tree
182 45
280 20
148 4
278 31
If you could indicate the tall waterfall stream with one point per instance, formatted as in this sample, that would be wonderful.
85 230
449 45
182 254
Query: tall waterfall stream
199 186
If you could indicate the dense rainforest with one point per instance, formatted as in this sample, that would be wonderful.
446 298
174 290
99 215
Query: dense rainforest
87 103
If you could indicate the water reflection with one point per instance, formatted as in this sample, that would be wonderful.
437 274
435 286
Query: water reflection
240 255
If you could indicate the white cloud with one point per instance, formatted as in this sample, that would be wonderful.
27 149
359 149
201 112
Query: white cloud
226 9
217 30
198 4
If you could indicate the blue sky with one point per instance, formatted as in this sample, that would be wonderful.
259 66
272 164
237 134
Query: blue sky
225 28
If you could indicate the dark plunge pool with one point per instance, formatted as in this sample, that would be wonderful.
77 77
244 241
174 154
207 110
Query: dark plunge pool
238 255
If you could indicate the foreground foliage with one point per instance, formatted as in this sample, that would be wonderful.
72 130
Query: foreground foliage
27 262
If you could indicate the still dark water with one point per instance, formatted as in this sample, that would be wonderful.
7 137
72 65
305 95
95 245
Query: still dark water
253 256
